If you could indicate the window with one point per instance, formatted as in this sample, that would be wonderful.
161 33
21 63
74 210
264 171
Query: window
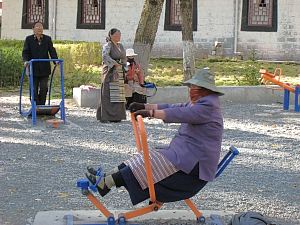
91 14
259 15
262 3
33 11
173 18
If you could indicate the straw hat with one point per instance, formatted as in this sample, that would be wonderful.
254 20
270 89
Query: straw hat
130 52
204 78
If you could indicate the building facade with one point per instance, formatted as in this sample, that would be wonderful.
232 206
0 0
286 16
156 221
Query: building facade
268 29
0 11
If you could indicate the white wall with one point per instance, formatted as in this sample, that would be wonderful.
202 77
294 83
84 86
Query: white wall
0 9
216 22
281 45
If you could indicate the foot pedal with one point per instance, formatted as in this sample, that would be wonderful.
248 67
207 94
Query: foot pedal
83 183
54 123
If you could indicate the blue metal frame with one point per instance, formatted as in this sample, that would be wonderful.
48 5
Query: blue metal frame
85 186
226 160
33 108
62 82
297 94
21 90
286 99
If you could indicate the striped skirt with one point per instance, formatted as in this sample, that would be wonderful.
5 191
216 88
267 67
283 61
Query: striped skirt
117 89
161 168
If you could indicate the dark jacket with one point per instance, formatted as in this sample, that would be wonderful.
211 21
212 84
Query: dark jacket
33 50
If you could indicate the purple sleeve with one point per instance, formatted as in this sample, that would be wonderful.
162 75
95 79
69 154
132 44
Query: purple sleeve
194 114
165 106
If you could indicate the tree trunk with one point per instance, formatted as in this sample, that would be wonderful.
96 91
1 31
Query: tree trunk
186 12
146 31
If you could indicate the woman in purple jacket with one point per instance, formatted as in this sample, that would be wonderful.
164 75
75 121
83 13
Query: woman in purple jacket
183 168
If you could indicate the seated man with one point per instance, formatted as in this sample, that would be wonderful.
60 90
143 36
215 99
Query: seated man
134 80
184 167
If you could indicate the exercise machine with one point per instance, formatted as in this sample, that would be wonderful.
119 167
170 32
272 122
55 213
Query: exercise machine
142 146
47 109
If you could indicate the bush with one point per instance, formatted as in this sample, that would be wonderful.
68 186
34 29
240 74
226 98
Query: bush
81 64
10 66
11 43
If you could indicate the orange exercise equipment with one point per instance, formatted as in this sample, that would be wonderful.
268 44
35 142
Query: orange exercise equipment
267 77
154 205
275 78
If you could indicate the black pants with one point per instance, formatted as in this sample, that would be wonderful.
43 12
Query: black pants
136 97
177 187
40 88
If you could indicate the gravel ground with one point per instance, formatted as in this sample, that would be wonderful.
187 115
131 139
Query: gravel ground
39 166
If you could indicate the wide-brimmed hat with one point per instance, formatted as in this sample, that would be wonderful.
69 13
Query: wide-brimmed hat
130 52
204 78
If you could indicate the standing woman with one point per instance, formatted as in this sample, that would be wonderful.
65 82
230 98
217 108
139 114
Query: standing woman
112 98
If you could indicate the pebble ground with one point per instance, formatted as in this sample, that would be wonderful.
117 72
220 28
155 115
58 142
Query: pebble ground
39 165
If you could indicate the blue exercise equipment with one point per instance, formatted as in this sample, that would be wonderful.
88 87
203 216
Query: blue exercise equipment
151 89
35 109
286 99
275 79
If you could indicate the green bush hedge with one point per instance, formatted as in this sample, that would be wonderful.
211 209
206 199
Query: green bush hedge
83 67
82 61
10 66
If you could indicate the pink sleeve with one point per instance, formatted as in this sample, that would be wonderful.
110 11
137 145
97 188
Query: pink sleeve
141 76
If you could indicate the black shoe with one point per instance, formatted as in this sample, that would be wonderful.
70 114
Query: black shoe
115 121
91 170
92 178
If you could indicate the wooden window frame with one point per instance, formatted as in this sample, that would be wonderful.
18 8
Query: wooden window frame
26 25
261 28
168 26
80 25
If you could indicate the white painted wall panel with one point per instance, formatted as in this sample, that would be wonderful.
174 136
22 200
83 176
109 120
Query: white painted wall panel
216 22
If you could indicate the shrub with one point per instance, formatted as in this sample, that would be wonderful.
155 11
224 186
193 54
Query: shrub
11 43
10 66
81 64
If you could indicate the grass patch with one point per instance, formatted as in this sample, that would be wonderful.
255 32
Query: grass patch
169 72
234 72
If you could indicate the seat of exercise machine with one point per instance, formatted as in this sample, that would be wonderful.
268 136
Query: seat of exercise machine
50 110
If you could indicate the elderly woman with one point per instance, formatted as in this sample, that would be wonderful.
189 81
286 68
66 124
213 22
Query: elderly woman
112 98
134 81
185 166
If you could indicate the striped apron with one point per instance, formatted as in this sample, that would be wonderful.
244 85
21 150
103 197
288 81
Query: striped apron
161 168
116 87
